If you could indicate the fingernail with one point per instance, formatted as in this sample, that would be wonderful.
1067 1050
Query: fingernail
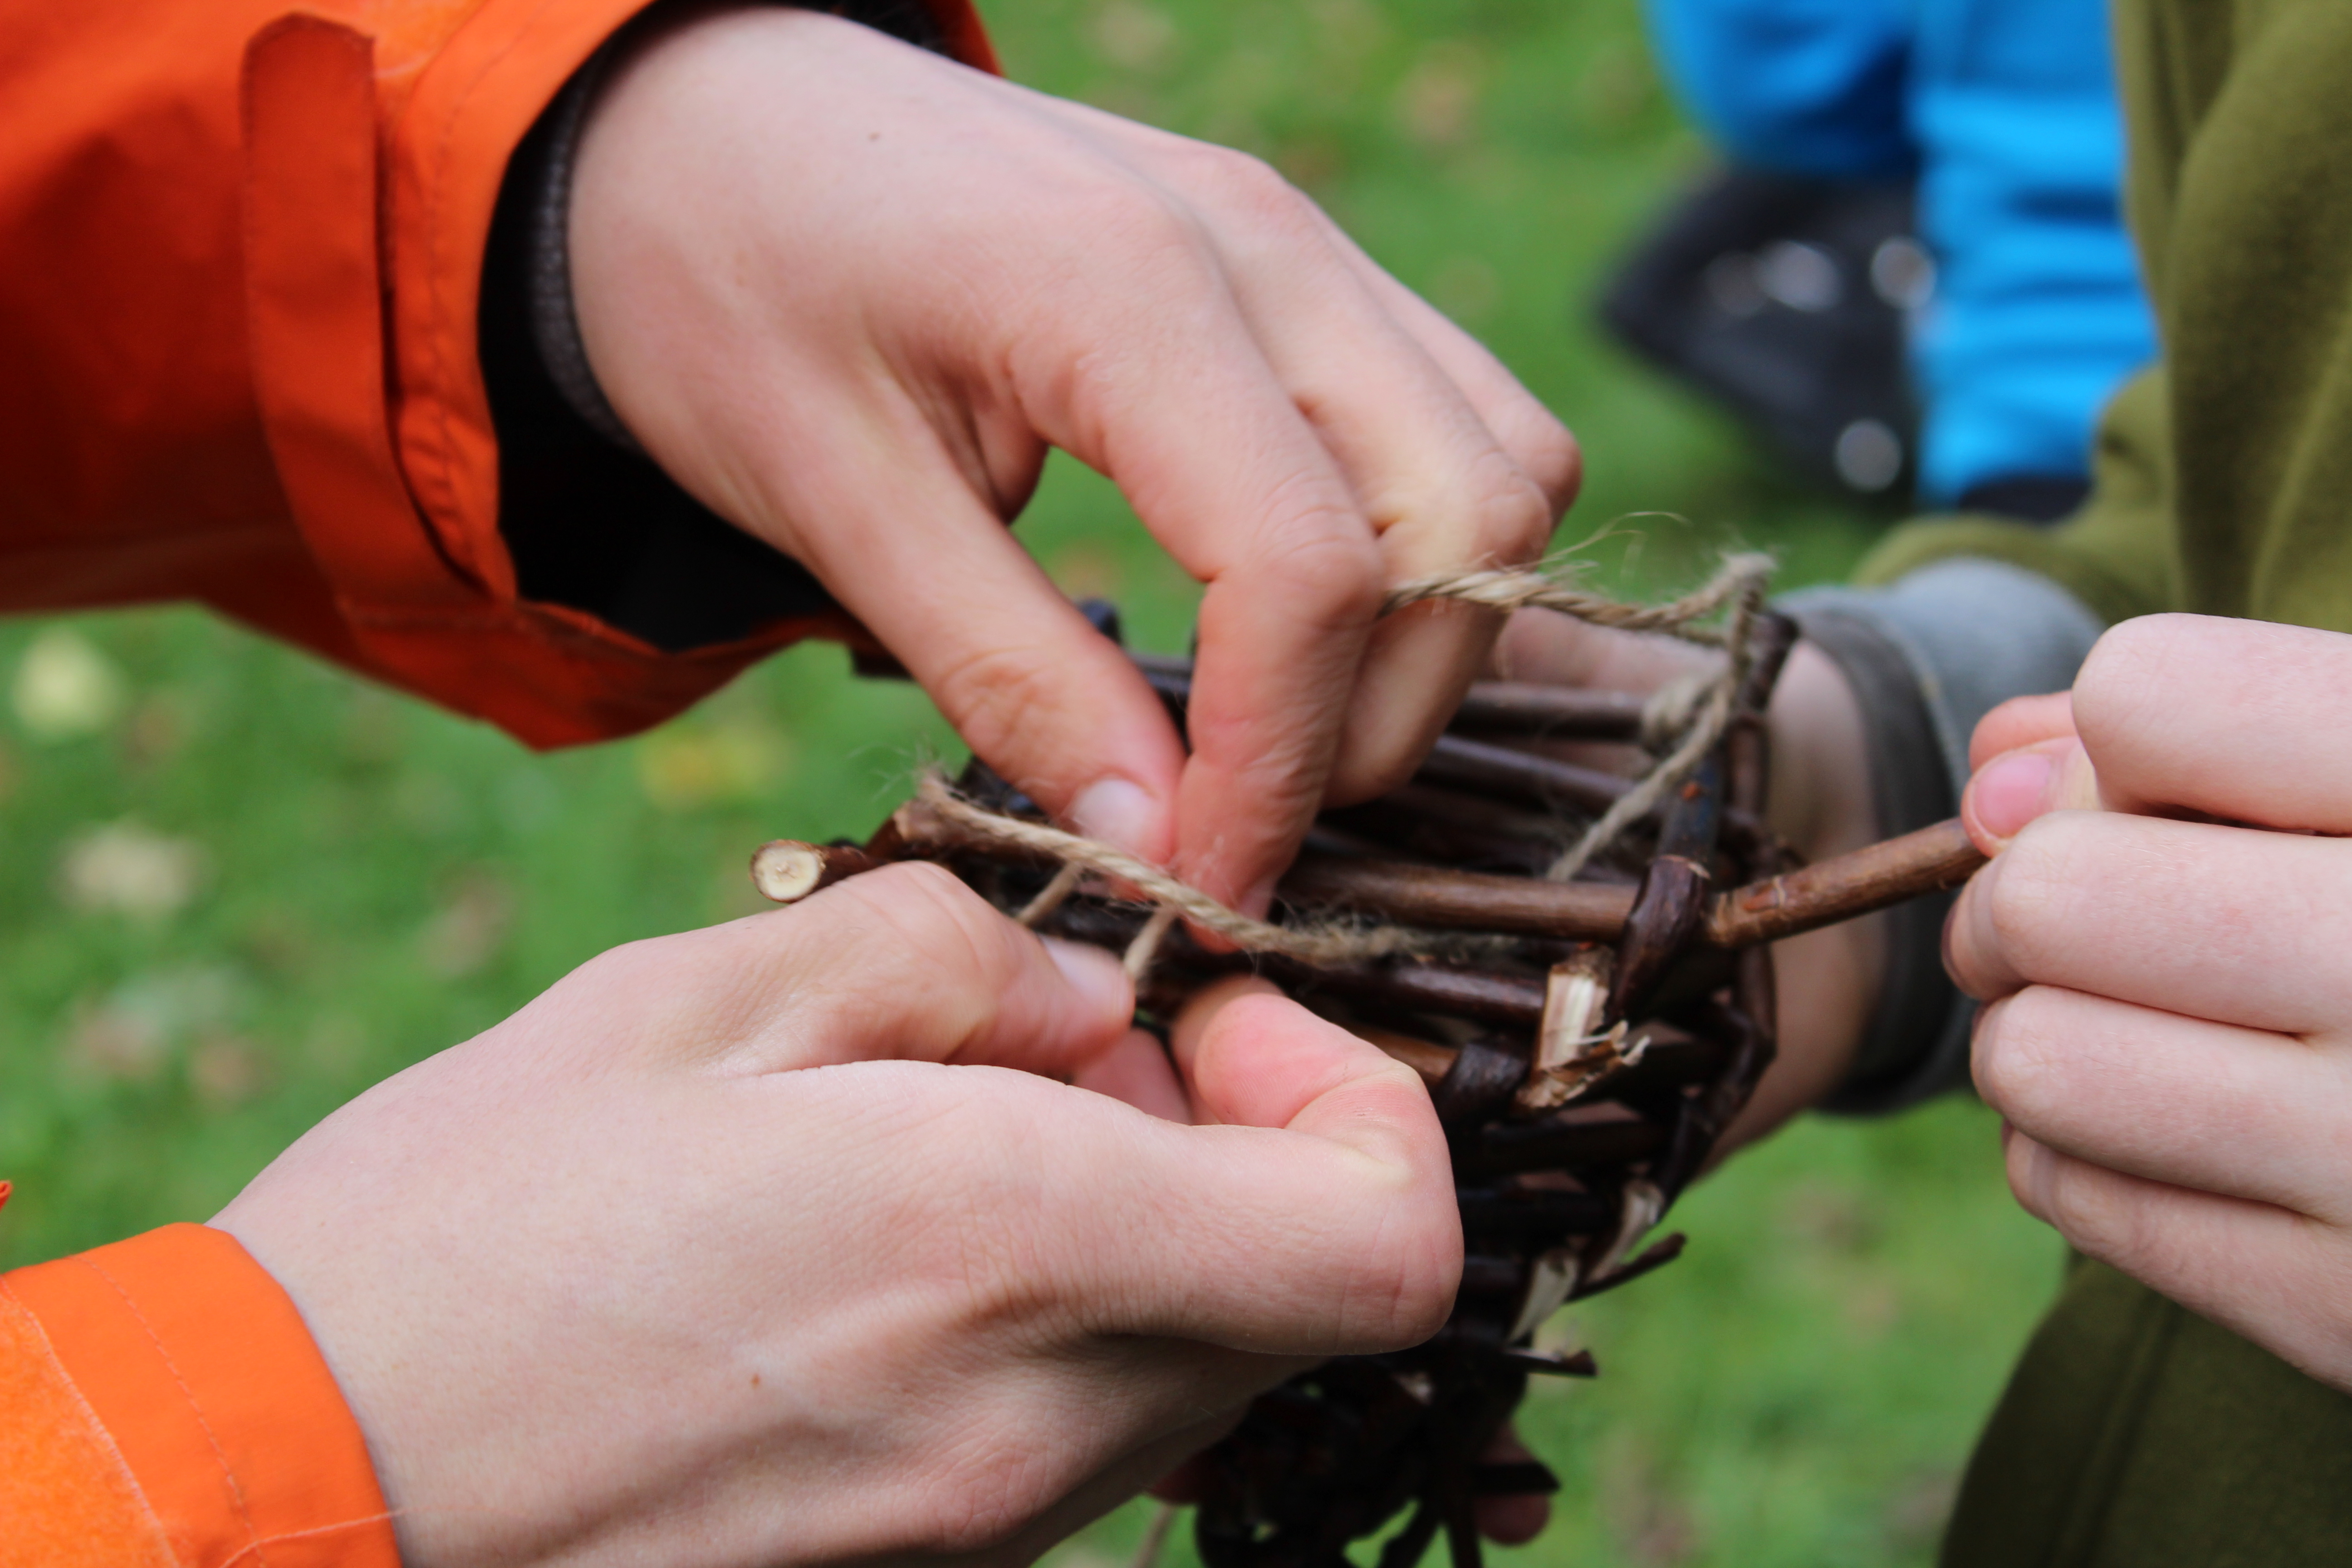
1093 973
1258 899
1118 812
2012 790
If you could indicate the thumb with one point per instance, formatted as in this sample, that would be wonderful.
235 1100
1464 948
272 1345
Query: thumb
1315 1215
905 962
2017 786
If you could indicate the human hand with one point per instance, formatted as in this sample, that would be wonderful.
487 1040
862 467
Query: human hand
1820 802
745 1245
2168 1021
847 294
1140 1073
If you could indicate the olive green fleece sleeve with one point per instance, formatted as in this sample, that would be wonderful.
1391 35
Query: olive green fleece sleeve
2135 1435
2116 555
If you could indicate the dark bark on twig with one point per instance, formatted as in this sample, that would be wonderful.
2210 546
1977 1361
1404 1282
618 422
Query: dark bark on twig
1522 776
1557 1143
1549 712
1873 878
1423 896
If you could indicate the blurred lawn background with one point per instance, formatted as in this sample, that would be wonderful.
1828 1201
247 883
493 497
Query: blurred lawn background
237 887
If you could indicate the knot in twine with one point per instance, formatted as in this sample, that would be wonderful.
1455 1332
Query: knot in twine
1685 721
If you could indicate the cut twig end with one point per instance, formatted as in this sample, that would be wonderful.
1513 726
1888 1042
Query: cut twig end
786 870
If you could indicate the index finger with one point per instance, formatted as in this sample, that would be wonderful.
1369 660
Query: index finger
1316 1218
2228 924
2239 719
1230 478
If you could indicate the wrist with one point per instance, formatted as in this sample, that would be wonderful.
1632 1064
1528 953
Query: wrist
1821 803
1829 980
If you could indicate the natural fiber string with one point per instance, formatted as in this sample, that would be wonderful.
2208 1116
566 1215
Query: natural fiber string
1700 711
1740 584
1508 591
1308 944
1051 896
1671 709
1137 959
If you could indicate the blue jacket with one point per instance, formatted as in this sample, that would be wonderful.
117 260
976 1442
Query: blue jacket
2005 110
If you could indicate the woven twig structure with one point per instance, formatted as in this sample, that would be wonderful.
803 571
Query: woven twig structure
1586 1031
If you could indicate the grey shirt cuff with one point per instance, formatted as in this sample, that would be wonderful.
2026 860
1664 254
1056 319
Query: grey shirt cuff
1928 656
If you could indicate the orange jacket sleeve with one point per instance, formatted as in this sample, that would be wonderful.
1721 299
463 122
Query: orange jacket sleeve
162 1406
240 255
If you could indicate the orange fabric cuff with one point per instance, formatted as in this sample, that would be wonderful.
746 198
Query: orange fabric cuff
376 140
162 1403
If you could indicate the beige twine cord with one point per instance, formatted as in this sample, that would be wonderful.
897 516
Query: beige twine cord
1308 944
1508 591
1698 711
1740 585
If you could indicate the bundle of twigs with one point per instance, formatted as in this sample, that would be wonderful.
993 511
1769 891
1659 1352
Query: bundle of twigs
1585 1040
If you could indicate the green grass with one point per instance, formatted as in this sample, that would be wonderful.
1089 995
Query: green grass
365 880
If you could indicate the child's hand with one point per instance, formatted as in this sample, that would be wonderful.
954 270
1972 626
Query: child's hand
2168 1028
847 292
779 1243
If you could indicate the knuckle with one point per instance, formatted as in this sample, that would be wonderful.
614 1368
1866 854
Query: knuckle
1113 224
1281 773
1244 185
995 695
1126 211
998 1247
1514 518
2019 1058
2026 904
2124 681
1548 451
932 915
634 990
929 903
1405 1296
2117 1219
2097 1215
1324 563
977 1226
1374 768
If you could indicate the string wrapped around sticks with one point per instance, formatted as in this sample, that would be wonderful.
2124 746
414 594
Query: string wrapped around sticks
1737 591
1740 585
1591 1007
1740 578
1171 899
